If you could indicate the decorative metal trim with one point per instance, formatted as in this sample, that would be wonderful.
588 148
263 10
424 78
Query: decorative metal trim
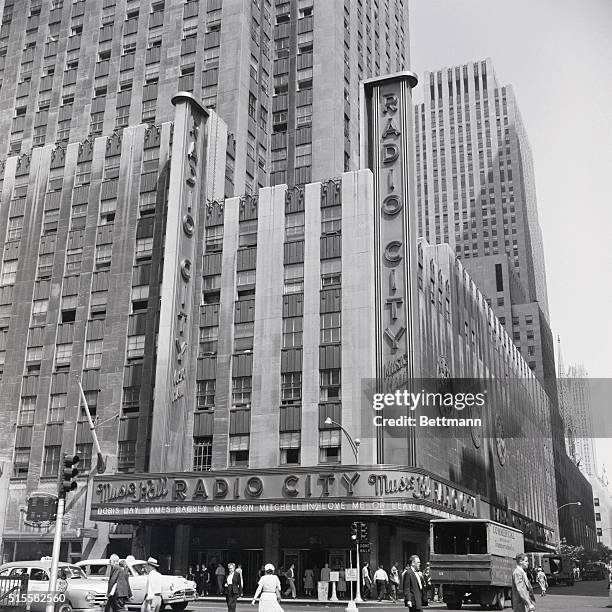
332 188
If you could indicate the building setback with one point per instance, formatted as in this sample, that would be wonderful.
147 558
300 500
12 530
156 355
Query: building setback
213 374
284 76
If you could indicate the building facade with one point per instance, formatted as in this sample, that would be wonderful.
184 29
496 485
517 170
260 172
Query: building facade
475 178
284 76
602 505
213 388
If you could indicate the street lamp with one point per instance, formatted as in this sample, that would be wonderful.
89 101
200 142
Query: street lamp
354 443
570 504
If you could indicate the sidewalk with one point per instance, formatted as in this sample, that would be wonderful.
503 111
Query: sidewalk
343 603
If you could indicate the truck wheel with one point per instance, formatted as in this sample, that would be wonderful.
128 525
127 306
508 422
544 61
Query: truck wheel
179 607
64 607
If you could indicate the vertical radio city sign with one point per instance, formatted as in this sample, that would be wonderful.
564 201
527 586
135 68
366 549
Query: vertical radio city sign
174 341
386 112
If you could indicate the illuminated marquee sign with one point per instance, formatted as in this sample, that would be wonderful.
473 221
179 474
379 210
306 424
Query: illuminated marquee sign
388 490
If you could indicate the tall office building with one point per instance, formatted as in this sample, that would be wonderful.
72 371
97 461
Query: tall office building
475 179
576 406
284 76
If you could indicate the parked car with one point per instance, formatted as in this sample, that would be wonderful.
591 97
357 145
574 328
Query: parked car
177 591
82 594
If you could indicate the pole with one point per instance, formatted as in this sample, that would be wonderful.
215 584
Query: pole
57 542
358 587
101 466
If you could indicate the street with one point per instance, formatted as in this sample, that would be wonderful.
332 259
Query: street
583 596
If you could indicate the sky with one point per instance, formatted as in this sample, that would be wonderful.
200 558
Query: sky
557 54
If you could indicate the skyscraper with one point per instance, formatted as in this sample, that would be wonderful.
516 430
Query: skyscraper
475 179
284 76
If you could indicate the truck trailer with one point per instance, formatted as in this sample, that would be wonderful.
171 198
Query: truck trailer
473 559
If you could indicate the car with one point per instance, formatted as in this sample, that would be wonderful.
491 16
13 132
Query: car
82 594
177 591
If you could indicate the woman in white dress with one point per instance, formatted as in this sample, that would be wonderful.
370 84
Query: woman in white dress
268 591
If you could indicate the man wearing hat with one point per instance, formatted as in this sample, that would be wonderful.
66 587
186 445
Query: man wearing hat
152 600
233 587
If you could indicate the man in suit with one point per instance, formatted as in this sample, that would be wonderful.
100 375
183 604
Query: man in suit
413 586
521 587
118 590
233 587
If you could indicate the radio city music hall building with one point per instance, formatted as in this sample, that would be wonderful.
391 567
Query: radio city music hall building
214 338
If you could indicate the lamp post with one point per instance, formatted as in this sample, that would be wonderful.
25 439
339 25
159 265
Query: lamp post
354 443
577 503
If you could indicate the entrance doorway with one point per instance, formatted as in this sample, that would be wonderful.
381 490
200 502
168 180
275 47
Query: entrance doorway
251 561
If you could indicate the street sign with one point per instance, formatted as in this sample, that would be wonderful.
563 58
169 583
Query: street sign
350 574
42 508
364 547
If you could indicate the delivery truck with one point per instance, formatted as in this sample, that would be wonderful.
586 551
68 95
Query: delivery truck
559 569
473 560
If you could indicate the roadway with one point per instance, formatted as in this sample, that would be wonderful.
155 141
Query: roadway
582 597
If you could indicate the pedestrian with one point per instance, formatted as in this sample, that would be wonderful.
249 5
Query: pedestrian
290 575
220 575
268 591
541 580
190 574
394 581
233 588
308 582
381 578
366 581
153 590
119 590
412 585
522 592
113 566
341 583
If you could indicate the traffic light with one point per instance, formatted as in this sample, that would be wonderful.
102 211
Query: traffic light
363 532
69 473
354 529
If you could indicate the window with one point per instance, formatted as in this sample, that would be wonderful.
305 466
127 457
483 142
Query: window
104 254
205 394
39 311
248 233
292 332
330 385
202 453
21 462
135 347
303 155
331 219
208 341
9 273
246 277
84 451
63 355
239 451
126 459
294 279
83 173
598 516
530 334
57 408
294 226
331 275
74 257
291 388
51 460
241 390
15 228
130 401
290 447
330 328
93 354
214 239
144 248
27 410
596 501
243 336
329 446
